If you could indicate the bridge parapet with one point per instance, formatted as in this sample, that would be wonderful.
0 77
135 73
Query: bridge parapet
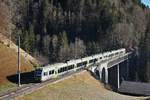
113 61
118 60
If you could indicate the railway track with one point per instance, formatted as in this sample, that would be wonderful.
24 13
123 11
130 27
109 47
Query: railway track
10 95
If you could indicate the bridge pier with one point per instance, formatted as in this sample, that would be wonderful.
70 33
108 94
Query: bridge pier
103 73
100 74
127 69
118 77
106 77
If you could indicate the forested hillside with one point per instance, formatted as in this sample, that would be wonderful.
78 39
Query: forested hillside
57 30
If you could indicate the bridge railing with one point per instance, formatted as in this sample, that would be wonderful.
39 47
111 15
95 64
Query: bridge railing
119 59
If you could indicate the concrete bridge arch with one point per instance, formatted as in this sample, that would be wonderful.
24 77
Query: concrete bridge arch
103 72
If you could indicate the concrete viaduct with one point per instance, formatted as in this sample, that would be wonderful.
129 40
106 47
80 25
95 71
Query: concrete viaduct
113 71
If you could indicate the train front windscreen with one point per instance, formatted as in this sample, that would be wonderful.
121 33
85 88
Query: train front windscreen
38 74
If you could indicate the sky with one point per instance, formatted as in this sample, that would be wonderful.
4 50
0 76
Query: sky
146 2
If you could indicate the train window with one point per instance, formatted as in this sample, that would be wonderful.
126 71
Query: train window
45 73
79 64
93 60
105 56
70 67
85 62
110 55
38 71
62 69
59 71
65 68
116 53
51 72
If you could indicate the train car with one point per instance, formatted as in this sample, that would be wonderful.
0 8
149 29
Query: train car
47 72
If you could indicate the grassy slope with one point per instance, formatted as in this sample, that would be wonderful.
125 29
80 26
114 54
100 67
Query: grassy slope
79 87
8 66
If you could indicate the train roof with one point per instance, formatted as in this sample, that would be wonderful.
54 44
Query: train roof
97 55
57 64
87 58
52 65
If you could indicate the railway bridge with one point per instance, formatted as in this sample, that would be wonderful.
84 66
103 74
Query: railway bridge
113 71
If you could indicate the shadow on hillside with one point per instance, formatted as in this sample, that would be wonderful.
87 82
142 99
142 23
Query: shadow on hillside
26 78
95 75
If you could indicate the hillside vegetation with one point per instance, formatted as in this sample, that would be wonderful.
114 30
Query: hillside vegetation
58 30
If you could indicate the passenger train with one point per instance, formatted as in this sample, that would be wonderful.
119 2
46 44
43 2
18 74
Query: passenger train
53 71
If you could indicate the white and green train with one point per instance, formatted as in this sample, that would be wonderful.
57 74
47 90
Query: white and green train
53 71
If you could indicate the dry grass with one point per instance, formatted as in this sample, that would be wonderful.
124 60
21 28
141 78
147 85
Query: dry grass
79 87
8 64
